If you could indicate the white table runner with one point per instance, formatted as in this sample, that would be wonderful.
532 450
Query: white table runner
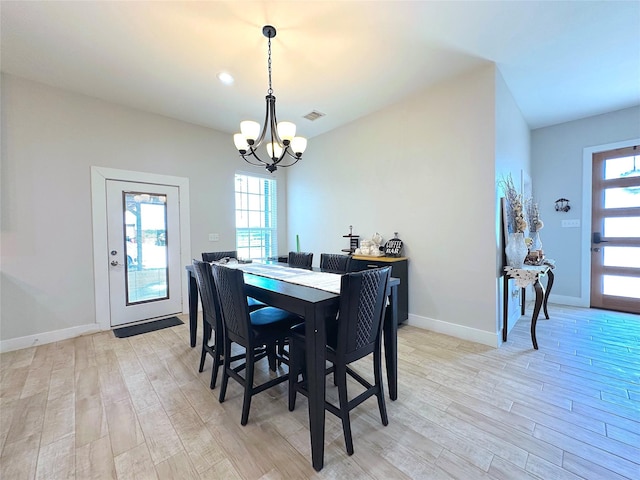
329 282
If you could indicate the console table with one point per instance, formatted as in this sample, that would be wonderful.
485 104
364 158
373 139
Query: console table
525 276
399 269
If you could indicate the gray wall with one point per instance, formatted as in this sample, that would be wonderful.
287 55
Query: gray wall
50 139
425 168
557 166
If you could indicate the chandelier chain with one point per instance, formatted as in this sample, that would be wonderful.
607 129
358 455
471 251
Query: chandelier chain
270 91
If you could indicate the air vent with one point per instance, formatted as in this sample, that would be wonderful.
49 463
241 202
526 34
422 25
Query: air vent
314 115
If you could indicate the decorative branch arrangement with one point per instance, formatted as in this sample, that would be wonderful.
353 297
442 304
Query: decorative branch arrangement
515 214
533 216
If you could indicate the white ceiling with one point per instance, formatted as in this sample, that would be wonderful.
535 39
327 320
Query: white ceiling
561 60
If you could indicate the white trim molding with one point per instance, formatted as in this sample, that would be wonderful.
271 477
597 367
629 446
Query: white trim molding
459 331
47 337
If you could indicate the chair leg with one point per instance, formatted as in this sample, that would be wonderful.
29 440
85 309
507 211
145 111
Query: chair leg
341 377
206 335
282 352
225 371
377 371
271 355
248 388
214 369
217 359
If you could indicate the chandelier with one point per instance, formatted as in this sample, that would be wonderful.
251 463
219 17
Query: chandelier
281 139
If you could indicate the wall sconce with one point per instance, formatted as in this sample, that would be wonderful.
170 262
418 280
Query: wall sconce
562 205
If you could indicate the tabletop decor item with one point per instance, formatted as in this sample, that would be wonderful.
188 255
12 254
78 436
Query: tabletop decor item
371 247
516 250
535 225
393 248
354 241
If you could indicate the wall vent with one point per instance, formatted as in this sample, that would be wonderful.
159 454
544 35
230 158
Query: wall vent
314 115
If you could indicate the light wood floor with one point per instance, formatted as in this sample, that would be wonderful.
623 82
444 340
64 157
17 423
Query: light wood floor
101 407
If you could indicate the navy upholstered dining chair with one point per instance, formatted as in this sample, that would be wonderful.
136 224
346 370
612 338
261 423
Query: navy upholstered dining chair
356 334
265 327
300 259
335 262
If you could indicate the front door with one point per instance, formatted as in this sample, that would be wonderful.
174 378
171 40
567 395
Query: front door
615 240
143 230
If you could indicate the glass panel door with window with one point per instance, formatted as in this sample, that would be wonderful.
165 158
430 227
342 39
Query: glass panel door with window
256 217
615 248
144 251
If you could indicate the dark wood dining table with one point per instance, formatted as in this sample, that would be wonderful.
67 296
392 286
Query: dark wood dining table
313 304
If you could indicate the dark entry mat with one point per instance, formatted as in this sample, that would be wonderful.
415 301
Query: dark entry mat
125 332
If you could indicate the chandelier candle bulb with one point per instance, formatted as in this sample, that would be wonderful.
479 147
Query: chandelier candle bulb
241 143
274 150
286 132
299 145
250 130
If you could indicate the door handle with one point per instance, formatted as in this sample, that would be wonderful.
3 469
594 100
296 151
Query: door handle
114 263
597 238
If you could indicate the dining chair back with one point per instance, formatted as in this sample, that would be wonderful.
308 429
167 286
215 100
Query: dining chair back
300 259
259 332
335 262
356 334
211 318
215 256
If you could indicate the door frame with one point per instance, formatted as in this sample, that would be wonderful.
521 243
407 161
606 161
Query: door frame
587 180
99 177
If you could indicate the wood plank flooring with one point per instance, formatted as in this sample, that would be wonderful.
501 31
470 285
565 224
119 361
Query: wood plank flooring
99 407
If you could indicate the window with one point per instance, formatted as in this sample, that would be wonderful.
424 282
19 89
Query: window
256 217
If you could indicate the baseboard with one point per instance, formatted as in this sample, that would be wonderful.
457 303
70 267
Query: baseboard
47 337
458 331
569 301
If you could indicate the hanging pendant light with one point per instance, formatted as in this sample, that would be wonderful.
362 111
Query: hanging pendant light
281 141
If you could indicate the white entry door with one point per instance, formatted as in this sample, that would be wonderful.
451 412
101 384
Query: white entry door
143 230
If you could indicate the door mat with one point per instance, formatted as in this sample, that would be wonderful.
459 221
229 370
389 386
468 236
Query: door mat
125 332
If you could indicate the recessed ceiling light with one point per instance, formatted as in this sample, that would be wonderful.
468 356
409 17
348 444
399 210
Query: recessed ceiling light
225 78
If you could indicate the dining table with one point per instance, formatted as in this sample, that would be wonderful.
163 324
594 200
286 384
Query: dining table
313 304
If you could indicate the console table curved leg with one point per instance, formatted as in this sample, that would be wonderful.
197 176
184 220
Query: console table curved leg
546 296
505 308
536 311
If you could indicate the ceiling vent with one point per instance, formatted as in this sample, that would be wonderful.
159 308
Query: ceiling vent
314 115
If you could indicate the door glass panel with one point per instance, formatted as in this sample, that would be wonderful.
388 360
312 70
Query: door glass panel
621 227
621 286
146 240
622 167
621 257
622 197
